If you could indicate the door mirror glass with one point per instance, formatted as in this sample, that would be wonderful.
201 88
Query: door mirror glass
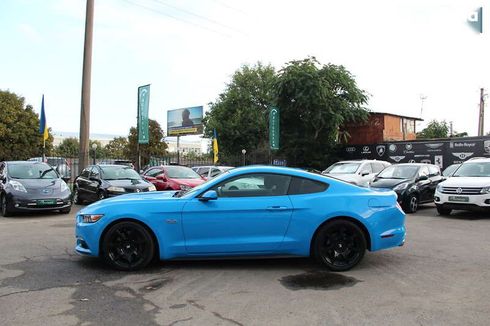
209 195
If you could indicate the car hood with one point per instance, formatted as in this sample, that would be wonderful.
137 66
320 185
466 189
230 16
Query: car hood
467 182
387 183
189 182
127 183
39 183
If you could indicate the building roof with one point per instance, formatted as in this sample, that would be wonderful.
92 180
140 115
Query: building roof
398 115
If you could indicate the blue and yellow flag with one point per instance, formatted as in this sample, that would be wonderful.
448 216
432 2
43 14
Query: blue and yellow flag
215 147
43 127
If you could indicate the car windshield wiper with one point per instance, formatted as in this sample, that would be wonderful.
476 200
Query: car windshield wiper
45 172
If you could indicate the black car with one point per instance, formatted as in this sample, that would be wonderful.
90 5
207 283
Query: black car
32 186
414 183
108 180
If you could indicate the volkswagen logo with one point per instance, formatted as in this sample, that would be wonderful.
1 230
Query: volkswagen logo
459 191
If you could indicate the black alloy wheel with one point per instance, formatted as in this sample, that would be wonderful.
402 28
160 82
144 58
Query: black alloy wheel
4 206
128 246
411 204
340 245
76 196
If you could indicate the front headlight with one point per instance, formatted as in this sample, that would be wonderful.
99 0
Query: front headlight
64 186
91 218
17 186
485 190
185 187
116 189
152 188
401 186
439 188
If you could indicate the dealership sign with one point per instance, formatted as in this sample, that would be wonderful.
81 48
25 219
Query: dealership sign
274 128
143 108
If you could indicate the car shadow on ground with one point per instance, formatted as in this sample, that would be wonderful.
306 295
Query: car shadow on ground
467 215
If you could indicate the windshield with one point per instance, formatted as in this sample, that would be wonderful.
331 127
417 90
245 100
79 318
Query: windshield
181 172
197 189
473 170
119 173
450 170
32 171
343 168
399 172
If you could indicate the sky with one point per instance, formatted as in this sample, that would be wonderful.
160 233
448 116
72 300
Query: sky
398 51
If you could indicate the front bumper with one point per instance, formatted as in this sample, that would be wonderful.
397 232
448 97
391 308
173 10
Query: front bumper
473 203
21 203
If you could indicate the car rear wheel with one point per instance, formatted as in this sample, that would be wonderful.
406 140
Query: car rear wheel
411 204
128 246
340 245
5 206
443 211
76 196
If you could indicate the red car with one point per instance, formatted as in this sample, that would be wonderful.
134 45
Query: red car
173 177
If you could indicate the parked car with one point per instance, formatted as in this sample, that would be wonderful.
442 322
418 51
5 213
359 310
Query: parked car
294 213
467 189
100 181
32 186
173 177
209 172
449 171
414 183
60 164
358 172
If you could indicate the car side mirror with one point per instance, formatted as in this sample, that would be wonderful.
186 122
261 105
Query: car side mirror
162 177
423 177
364 173
209 195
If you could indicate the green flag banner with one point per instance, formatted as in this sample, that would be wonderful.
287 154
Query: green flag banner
143 107
274 128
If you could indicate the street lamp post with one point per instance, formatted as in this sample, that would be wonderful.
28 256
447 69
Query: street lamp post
94 147
244 151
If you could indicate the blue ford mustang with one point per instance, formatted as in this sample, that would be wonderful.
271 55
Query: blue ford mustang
246 212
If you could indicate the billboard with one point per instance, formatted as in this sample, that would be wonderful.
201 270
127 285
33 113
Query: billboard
186 121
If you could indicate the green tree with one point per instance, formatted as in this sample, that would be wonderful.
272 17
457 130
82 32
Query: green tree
435 129
155 147
117 147
68 147
19 129
240 113
315 100
100 151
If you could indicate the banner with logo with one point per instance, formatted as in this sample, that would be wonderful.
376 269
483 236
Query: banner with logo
440 152
143 108
274 128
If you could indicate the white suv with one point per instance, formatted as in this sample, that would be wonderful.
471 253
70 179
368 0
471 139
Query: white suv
358 172
467 189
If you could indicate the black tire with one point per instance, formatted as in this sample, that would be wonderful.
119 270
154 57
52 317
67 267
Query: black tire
5 208
339 245
443 211
411 204
76 196
65 210
128 246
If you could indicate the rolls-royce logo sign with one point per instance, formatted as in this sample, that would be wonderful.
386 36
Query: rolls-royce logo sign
459 191
380 149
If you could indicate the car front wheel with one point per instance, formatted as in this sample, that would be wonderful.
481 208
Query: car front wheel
340 245
128 246
5 206
443 211
76 196
411 204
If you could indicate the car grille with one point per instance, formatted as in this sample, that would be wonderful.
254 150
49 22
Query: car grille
461 190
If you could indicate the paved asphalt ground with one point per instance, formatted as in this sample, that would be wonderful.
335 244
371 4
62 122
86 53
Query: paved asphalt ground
440 277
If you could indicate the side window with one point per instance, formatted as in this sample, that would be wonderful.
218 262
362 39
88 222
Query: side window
203 172
154 172
94 173
424 171
215 172
300 186
434 171
377 167
366 168
254 185
85 173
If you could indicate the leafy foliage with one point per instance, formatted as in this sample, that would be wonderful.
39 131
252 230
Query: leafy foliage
117 147
435 129
19 129
240 114
69 147
155 147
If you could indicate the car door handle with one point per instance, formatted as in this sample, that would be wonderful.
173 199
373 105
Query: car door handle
278 208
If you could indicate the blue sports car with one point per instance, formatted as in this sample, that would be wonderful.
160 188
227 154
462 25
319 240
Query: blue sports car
269 211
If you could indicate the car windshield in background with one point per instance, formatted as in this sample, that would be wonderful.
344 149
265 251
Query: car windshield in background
399 172
119 173
450 170
32 171
473 170
180 172
341 168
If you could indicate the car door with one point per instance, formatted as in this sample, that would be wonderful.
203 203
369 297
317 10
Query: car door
435 178
247 219
93 183
3 176
151 176
424 186
364 179
82 183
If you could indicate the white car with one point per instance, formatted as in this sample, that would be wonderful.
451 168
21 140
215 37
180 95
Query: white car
209 172
467 189
358 172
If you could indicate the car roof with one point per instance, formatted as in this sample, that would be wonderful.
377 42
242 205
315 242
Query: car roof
24 162
109 165
478 160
